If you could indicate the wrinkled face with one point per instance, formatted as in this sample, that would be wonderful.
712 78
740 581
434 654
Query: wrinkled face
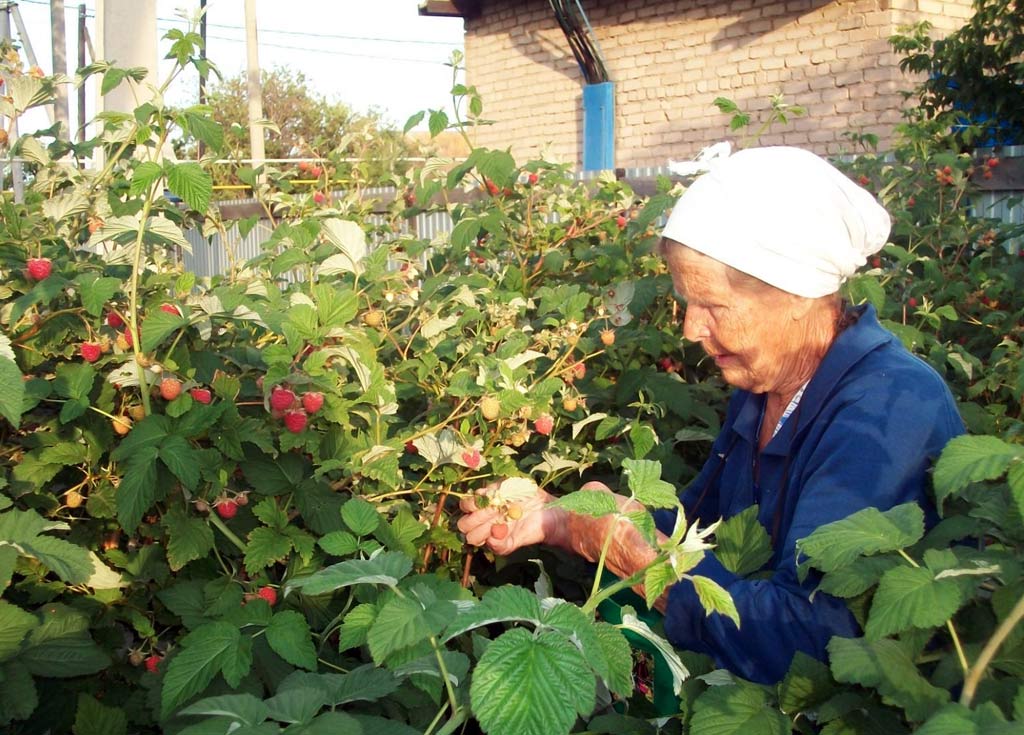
746 326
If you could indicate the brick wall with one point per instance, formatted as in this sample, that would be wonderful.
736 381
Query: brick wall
670 59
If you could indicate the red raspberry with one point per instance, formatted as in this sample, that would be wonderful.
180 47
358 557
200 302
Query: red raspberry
90 351
621 221
532 179
269 594
544 424
153 663
39 269
113 320
281 399
170 309
472 458
201 395
410 448
579 370
312 401
295 421
227 509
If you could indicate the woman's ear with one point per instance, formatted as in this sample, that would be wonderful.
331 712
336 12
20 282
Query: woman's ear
800 306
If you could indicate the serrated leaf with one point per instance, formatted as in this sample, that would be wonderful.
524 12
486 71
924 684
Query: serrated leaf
615 648
266 547
886 666
866 532
96 292
658 578
297 704
531 685
18 696
288 634
189 538
190 182
646 485
181 459
15 624
360 516
339 543
856 577
137 491
356 626
501 604
158 326
911 597
806 684
242 708
12 391
588 502
742 544
68 561
144 176
350 239
385 568
60 647
405 621
95 718
204 653
366 683
715 598
737 709
968 459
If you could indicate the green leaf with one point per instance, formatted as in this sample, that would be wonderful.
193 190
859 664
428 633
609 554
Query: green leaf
644 478
356 626
298 704
158 326
205 129
385 568
144 176
911 597
96 291
15 624
405 621
866 532
501 604
191 183
658 578
588 502
18 696
956 719
94 718
61 647
886 666
242 708
146 434
437 122
68 561
857 577
715 598
204 653
741 543
74 380
137 491
360 516
266 547
968 459
269 514
288 634
531 685
615 648
181 459
12 391
738 709
189 538
643 438
366 683
339 543
806 685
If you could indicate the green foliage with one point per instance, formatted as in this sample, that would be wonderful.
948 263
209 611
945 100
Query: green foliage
177 554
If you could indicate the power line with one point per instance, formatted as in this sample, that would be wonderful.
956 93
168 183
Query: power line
305 34
331 52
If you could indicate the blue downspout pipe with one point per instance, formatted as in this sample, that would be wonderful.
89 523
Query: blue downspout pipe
599 126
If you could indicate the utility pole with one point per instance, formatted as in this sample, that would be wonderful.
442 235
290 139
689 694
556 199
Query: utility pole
255 89
202 56
17 182
60 66
82 36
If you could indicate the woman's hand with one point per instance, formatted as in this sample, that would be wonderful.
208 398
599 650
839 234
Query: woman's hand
537 522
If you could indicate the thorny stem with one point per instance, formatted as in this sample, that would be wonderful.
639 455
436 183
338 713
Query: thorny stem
989 652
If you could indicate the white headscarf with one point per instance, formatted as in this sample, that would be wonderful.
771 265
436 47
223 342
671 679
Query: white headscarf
783 215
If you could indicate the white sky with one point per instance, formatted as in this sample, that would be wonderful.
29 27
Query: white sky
368 54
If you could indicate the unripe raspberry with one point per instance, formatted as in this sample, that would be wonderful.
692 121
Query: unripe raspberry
490 408
607 337
170 388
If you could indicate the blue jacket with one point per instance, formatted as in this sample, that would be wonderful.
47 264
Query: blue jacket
870 423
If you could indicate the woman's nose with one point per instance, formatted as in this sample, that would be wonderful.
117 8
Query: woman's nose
695 324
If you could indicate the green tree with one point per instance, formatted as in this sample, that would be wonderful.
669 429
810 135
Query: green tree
355 146
978 70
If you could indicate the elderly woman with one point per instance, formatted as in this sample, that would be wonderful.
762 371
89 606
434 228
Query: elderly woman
831 414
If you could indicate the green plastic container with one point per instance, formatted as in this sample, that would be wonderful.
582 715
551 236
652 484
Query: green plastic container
664 699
